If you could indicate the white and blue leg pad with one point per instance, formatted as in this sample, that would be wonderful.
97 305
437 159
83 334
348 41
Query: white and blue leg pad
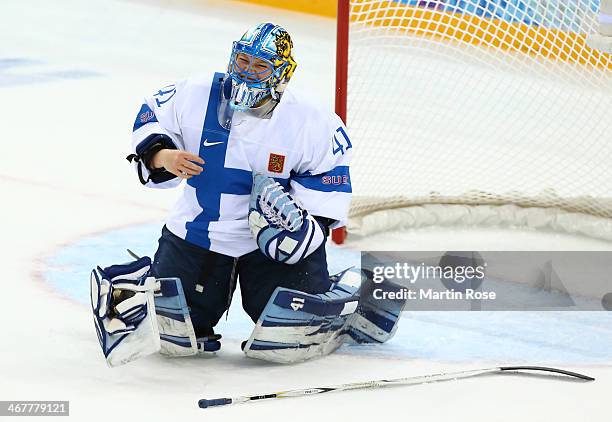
136 315
124 311
375 320
175 328
284 231
296 326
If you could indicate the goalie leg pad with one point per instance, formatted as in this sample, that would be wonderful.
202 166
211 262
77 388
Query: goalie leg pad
175 328
297 326
376 320
136 315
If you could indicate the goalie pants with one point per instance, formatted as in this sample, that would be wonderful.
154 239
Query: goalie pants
209 278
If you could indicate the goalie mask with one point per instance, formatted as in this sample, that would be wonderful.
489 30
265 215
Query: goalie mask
260 68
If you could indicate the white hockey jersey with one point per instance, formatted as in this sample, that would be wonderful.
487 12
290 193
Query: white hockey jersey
303 146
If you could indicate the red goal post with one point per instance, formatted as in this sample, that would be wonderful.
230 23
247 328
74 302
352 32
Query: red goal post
342 40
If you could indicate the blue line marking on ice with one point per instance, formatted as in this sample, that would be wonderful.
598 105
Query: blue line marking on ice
504 337
7 63
8 77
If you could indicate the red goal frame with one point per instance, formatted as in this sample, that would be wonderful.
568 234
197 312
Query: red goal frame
342 43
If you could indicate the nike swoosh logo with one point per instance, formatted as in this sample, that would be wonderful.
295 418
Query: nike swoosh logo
210 144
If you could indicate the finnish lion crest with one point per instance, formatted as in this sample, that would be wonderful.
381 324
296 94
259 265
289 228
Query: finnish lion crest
284 45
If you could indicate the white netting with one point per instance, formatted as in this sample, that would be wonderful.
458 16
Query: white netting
479 102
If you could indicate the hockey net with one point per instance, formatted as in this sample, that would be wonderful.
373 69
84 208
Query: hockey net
477 112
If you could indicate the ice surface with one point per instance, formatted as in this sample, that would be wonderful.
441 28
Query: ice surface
585 337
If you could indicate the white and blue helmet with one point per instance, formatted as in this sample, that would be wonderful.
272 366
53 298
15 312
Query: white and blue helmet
253 84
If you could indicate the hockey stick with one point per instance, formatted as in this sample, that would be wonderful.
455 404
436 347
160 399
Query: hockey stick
423 379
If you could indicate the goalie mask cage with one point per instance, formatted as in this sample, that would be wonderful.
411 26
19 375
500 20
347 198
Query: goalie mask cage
477 112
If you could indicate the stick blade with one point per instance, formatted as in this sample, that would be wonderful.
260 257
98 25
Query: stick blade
547 369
